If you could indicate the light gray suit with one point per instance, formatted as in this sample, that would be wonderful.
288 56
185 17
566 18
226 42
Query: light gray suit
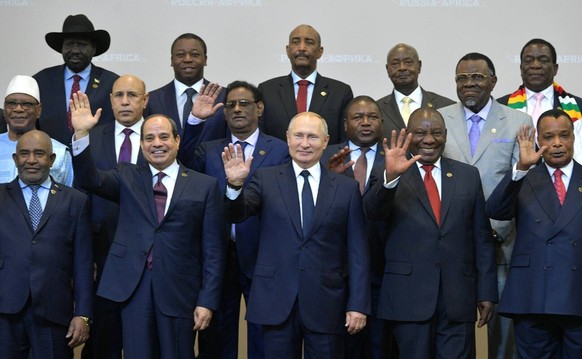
497 151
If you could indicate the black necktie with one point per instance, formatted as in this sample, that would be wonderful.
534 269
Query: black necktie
188 105
307 203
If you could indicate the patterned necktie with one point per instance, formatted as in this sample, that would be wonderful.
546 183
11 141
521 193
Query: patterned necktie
474 133
432 191
74 89
302 96
160 197
361 169
243 145
307 203
559 186
125 149
537 110
406 109
188 105
34 208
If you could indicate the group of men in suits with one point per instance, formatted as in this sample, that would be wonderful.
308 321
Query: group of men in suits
308 111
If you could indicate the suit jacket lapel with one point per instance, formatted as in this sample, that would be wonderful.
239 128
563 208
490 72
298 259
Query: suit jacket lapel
288 188
545 193
261 151
181 181
108 143
325 196
448 185
573 202
458 130
170 100
413 179
15 193
51 203
492 122
287 94
319 95
148 192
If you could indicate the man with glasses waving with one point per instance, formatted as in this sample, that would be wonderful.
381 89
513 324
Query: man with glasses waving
22 109
482 133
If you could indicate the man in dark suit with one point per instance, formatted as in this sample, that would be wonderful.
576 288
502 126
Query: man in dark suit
3 127
304 89
311 280
543 293
363 125
165 265
440 258
78 43
46 264
242 109
188 59
112 143
482 134
403 67
539 92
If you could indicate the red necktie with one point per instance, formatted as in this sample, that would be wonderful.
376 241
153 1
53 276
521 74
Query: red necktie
559 185
361 169
74 89
432 191
160 196
302 96
125 149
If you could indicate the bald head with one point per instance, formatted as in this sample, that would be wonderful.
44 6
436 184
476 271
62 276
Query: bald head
34 157
128 99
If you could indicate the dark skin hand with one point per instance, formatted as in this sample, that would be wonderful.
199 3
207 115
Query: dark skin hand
336 162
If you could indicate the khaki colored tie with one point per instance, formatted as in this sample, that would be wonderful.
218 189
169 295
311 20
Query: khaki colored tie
406 109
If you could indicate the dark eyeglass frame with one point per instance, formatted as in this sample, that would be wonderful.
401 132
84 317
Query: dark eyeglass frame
229 105
474 76
25 105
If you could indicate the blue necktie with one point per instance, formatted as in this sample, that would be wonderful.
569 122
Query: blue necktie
307 203
34 208
474 133
243 145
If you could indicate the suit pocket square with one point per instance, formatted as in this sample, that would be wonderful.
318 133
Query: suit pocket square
503 140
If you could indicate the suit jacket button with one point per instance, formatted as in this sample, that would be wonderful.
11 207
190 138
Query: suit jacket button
34 242
437 264
538 220
573 267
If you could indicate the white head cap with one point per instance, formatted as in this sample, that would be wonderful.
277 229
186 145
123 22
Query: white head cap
23 84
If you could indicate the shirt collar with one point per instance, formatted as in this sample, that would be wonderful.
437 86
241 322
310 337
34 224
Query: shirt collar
483 113
180 87
170 171
136 127
547 92
46 184
251 140
84 74
566 170
315 170
416 96
355 147
437 164
311 78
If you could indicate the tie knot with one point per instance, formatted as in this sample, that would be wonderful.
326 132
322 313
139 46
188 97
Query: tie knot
406 100
427 168
34 187
475 118
190 92
364 149
160 176
127 132
76 78
558 174
303 83
305 174
538 96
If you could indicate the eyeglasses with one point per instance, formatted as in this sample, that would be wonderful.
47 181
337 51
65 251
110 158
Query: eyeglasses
24 105
476 77
229 105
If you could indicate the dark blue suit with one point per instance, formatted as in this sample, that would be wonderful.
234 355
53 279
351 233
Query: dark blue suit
48 272
106 340
163 101
319 277
330 98
429 267
188 249
375 340
543 281
51 82
221 341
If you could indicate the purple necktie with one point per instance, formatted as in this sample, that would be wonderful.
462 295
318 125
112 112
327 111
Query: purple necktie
125 149
474 133
76 87
160 197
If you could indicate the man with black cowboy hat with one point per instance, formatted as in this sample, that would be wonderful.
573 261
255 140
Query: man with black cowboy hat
78 43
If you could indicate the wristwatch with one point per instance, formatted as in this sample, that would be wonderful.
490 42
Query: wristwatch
87 320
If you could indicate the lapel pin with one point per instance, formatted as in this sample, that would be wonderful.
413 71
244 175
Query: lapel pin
579 189
97 81
53 191
429 105
449 174
382 153
262 152
184 174
323 93
493 130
